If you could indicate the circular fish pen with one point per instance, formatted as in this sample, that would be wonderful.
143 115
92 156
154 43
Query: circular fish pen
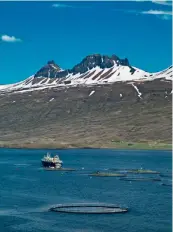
88 209
107 174
135 171
142 171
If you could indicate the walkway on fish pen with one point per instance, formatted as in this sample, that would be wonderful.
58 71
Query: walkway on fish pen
88 208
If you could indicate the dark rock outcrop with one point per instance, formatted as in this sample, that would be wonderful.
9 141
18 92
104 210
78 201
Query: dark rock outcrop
49 70
52 70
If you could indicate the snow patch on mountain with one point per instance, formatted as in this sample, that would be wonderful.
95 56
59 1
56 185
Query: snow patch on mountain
92 92
137 90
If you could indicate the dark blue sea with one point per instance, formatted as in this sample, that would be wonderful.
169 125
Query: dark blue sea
27 191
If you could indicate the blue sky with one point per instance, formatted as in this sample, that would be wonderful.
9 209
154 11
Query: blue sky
34 32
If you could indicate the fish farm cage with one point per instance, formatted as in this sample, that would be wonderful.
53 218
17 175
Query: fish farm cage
86 208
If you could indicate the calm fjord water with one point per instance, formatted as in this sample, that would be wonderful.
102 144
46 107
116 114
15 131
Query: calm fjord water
27 191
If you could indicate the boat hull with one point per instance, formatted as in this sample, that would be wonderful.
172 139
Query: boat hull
48 164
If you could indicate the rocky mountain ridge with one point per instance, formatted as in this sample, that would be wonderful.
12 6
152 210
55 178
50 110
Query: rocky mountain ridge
92 70
51 70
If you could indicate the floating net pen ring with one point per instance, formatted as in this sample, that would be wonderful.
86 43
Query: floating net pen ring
85 208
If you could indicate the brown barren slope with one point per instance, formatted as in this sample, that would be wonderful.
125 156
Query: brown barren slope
114 113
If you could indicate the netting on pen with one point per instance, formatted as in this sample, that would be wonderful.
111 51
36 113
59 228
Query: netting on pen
88 208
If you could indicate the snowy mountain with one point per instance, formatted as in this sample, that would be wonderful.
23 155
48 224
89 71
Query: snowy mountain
92 70
98 103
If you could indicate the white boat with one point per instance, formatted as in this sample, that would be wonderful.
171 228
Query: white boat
51 162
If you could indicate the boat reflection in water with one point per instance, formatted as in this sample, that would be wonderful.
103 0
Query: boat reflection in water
51 162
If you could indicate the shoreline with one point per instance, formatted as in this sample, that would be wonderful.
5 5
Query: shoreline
116 146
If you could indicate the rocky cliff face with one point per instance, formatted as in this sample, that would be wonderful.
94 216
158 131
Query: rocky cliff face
51 70
98 60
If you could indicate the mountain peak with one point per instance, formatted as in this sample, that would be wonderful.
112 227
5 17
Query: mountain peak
48 70
102 61
51 62
52 70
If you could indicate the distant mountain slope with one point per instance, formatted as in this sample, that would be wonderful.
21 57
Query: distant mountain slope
101 102
92 70
92 116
